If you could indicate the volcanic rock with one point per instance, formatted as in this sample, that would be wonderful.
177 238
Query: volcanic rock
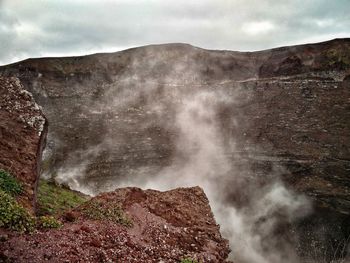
23 130
288 106
165 227
285 111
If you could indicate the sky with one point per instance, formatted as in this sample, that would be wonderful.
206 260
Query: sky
36 28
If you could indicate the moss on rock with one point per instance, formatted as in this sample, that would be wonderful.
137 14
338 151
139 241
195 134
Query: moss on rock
54 199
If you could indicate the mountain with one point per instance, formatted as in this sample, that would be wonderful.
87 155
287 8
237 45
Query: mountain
172 115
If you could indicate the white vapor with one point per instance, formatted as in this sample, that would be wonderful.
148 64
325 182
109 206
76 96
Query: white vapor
201 159
250 213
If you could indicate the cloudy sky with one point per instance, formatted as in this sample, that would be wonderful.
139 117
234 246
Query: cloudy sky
34 28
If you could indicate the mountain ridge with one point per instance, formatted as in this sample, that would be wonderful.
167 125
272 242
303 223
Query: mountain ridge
146 115
282 47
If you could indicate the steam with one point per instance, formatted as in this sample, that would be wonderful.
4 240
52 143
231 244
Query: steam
251 211
199 150
202 159
72 172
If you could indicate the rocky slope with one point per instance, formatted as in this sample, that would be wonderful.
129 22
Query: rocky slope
169 113
127 225
287 105
23 130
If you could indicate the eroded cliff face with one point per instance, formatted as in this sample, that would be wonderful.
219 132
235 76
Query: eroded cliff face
23 130
114 112
173 115
151 226
127 225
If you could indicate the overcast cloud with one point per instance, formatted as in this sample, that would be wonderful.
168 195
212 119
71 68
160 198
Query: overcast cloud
34 28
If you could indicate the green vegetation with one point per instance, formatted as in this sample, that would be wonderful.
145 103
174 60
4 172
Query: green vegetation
97 210
188 260
9 184
48 222
54 199
13 215
340 57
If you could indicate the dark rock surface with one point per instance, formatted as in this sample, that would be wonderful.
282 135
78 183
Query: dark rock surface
116 120
23 130
166 227
288 106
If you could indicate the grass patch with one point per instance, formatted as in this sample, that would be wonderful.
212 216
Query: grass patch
9 184
112 211
188 260
338 57
54 199
13 216
48 222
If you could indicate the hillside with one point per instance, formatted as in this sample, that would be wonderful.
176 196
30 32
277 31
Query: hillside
173 115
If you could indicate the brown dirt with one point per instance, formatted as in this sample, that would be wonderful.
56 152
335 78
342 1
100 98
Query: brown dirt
23 130
167 227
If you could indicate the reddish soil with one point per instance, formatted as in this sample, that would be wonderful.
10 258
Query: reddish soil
23 130
167 227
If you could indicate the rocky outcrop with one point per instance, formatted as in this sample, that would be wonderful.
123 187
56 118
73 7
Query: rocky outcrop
23 130
288 106
161 227
116 118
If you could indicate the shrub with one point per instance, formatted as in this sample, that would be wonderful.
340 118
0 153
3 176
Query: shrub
112 211
49 222
9 184
338 57
54 199
13 215
188 260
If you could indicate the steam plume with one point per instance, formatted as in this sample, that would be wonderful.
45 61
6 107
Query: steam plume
250 213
